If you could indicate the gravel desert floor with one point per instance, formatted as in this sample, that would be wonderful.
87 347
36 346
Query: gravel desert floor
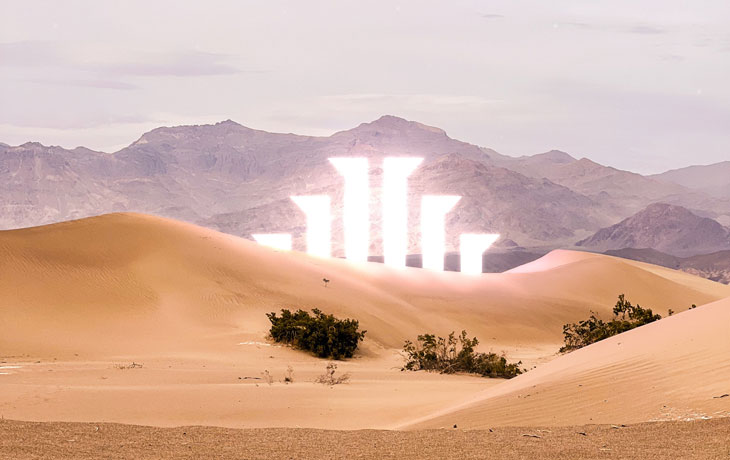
702 439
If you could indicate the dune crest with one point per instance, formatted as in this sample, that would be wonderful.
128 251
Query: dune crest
188 304
104 278
675 369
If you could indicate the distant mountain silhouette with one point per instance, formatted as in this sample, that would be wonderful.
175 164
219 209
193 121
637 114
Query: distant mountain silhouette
713 179
239 180
663 227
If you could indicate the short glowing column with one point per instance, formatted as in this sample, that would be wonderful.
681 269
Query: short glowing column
433 234
280 241
317 210
395 208
472 246
356 214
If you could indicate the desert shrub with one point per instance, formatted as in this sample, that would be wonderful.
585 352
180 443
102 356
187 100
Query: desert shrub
455 354
289 375
329 377
323 335
625 317
129 366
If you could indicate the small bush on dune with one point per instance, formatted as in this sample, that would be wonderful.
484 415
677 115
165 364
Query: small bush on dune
625 317
455 354
323 335
329 377
289 375
129 366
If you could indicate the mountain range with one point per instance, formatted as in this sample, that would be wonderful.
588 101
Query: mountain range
238 180
663 227
712 179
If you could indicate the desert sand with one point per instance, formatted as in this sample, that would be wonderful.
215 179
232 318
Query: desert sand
698 440
673 369
82 300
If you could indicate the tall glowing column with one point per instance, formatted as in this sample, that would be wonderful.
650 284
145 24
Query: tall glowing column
433 235
356 214
472 246
280 241
395 212
317 210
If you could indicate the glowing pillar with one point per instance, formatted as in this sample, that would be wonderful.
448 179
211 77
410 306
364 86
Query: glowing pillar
317 210
433 235
395 213
356 214
280 241
472 246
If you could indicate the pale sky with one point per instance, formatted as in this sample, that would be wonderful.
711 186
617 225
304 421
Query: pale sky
640 85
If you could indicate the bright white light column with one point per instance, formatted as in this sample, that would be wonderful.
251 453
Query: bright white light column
317 210
433 234
280 241
472 246
356 214
395 212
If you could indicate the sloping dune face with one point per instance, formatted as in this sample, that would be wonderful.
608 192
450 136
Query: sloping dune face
124 282
80 301
674 369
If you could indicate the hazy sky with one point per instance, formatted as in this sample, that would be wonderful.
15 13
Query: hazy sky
640 85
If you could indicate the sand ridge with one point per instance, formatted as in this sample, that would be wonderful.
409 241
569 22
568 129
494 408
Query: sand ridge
115 279
673 369
189 304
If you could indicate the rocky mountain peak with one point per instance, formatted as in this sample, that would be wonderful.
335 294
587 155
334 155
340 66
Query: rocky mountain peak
388 124
664 227
555 156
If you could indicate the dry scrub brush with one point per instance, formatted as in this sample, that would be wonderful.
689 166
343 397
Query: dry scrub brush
329 378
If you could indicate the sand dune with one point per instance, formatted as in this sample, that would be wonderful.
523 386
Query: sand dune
190 303
126 280
673 369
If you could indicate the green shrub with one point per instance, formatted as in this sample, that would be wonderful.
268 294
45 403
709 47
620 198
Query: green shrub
323 335
455 354
594 329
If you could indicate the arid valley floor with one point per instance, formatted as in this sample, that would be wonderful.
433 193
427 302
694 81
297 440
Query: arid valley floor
84 300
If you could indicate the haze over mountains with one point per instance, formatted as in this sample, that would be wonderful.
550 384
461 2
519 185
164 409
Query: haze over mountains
712 179
238 180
